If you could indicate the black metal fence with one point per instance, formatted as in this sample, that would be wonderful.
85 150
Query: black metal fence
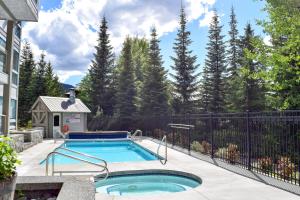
263 142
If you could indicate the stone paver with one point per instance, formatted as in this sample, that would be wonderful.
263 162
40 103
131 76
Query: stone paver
218 183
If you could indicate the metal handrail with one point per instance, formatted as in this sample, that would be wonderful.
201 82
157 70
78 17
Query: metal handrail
83 154
137 132
75 158
165 159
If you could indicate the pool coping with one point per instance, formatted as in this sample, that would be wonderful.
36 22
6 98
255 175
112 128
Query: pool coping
71 187
152 171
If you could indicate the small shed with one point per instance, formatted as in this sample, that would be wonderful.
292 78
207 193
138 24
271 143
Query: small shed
52 113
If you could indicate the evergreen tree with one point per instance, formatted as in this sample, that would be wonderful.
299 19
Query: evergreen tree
53 87
126 90
38 84
254 95
139 51
25 93
213 83
185 79
233 87
232 52
102 96
154 96
84 88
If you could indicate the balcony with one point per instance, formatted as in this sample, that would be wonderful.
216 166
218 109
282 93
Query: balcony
19 10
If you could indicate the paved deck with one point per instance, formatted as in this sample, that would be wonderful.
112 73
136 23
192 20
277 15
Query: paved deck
218 183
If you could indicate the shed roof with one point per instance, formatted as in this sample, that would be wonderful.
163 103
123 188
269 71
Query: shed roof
61 104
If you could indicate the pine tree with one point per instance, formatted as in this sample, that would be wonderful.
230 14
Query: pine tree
84 88
154 96
102 96
126 90
25 94
53 87
233 88
38 84
232 53
139 51
185 79
213 82
253 98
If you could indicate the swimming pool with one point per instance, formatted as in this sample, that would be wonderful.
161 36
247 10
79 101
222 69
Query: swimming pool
110 151
146 183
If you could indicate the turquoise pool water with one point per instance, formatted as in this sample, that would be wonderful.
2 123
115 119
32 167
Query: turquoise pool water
111 151
143 184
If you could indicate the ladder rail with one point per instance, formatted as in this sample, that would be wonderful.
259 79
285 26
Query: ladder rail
82 154
138 131
165 159
53 153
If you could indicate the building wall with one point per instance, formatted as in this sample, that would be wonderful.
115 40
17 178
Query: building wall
76 121
15 72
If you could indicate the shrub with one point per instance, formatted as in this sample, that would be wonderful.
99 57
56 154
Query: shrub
8 159
196 146
206 147
265 164
230 153
233 153
285 167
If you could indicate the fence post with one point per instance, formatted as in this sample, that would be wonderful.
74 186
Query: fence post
212 136
189 134
248 142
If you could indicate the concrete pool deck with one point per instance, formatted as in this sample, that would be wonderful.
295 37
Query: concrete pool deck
218 183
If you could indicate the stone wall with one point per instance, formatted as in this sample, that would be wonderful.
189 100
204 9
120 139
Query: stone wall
17 142
30 138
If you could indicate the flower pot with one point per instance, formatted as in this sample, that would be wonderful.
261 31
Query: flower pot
7 188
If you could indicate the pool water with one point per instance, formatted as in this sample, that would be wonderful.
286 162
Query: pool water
143 184
111 151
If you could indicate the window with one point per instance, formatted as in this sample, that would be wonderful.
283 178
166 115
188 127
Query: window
14 78
13 109
2 42
3 24
56 120
16 61
18 31
2 61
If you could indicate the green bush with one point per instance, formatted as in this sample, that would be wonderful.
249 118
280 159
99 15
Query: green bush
8 159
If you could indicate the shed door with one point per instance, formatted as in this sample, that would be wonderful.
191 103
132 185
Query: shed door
56 124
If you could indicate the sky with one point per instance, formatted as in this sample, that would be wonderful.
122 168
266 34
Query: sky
67 29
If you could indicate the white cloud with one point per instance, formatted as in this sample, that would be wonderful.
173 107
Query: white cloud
206 20
267 40
65 75
67 34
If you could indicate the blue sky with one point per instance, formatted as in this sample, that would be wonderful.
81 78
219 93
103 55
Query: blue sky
66 28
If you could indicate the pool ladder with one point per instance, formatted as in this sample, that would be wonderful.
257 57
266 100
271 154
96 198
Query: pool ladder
134 135
163 160
53 171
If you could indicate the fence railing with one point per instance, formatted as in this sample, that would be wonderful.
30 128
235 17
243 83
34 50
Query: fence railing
263 142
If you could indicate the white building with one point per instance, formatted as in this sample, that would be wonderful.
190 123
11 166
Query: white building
12 13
